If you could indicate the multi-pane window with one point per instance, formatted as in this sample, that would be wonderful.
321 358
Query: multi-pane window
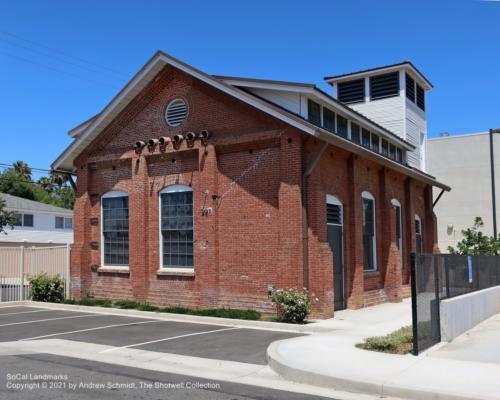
399 155
115 229
355 133
375 143
386 85
328 120
392 152
64 223
369 235
23 220
352 91
177 226
314 112
385 148
342 126
365 139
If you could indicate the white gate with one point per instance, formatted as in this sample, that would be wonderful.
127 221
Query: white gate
17 264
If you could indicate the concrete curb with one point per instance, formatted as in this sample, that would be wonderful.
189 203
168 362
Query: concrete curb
239 323
389 388
12 304
312 378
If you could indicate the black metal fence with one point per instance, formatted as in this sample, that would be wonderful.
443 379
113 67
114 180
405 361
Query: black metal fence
439 276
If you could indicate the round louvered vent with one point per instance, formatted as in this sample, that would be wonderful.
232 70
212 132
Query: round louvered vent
176 112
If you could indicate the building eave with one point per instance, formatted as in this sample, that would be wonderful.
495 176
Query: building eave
387 68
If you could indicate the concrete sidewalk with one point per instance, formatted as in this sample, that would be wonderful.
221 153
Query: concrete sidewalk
332 360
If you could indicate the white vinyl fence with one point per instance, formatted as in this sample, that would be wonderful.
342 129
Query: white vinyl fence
17 264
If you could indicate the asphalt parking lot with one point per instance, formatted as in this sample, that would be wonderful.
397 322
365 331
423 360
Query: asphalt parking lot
191 339
22 372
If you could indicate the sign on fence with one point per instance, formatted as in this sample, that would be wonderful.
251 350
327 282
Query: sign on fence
17 264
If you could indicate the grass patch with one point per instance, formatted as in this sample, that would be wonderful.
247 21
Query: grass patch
131 304
126 304
215 312
147 307
90 302
397 342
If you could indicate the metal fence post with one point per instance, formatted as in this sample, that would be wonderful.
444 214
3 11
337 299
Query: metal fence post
67 271
447 276
21 275
414 317
437 300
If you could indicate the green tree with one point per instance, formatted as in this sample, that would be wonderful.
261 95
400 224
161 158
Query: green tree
476 242
6 217
58 178
22 169
45 183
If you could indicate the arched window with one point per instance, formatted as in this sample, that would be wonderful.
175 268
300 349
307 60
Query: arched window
114 229
176 227
369 232
419 243
399 228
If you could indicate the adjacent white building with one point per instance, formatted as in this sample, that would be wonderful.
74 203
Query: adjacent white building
37 224
463 162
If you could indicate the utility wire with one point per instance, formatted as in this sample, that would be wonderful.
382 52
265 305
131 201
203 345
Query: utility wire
60 59
5 33
57 70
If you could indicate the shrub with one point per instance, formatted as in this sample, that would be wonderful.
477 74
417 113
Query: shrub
126 304
400 342
292 305
147 307
87 301
214 312
47 288
175 310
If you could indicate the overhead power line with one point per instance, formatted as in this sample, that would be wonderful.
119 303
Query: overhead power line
54 50
57 70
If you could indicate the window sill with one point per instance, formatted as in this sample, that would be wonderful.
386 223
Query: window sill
373 272
175 272
114 270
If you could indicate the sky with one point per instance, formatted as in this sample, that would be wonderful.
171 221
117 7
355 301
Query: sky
61 62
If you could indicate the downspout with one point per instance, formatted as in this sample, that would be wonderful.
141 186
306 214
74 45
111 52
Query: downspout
305 236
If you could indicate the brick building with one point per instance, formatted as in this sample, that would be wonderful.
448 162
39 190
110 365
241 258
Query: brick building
208 191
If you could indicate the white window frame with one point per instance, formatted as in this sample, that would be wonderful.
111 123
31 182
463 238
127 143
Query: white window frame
64 219
107 195
368 196
396 204
175 188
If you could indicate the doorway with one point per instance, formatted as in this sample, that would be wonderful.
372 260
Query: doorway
335 233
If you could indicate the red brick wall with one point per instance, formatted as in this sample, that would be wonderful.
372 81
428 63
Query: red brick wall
250 175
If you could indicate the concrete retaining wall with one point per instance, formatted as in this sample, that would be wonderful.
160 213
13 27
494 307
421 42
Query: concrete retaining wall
461 313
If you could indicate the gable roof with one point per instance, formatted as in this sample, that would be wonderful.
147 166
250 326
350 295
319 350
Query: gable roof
151 69
386 68
14 203
313 91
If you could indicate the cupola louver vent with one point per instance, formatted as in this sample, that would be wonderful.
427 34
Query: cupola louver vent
176 112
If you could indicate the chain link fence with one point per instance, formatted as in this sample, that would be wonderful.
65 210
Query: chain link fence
440 276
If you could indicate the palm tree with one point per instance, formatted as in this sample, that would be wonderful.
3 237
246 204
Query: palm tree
58 178
22 169
45 183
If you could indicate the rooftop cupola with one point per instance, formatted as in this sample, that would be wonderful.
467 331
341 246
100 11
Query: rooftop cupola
394 97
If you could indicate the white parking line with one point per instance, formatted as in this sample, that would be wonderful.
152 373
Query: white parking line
90 329
165 339
53 319
24 312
